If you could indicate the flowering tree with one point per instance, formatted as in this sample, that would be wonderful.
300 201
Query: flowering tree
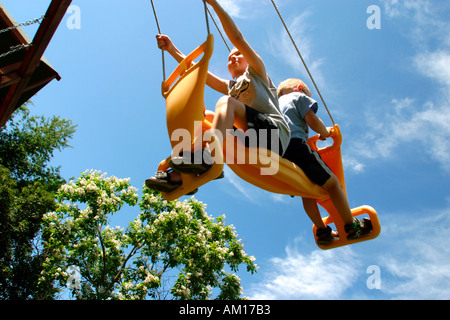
167 240
28 184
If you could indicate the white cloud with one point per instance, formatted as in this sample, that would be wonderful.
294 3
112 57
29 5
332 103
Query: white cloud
283 48
243 9
417 10
407 120
231 7
412 254
417 265
243 188
435 65
318 275
396 8
428 19
351 163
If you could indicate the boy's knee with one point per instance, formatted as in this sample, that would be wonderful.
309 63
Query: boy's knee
226 102
331 183
223 101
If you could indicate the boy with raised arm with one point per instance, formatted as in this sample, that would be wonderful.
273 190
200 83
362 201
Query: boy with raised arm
249 101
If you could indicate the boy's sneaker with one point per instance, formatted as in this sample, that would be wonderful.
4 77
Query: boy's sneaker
354 230
367 226
325 236
188 162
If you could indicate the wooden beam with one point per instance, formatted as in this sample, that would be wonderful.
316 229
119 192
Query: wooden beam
9 79
9 75
38 83
10 68
44 34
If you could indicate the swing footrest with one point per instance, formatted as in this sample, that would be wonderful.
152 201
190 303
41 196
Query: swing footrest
367 211
191 182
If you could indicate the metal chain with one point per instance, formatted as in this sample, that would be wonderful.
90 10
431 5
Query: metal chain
20 46
15 49
218 29
304 63
23 24
159 31
206 17
162 50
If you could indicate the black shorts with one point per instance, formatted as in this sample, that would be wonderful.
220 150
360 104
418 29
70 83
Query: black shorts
309 161
262 131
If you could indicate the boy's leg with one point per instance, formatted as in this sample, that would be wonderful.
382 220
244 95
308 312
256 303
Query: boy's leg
317 170
312 210
229 112
339 199
353 226
324 234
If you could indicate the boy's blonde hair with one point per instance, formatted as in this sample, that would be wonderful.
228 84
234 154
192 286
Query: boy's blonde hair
288 85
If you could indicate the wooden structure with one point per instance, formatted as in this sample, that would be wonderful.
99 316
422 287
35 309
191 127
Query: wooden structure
24 72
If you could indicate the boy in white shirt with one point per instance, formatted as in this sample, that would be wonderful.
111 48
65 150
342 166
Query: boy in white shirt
249 102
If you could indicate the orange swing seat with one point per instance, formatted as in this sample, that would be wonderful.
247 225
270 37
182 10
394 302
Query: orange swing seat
332 157
289 179
184 95
186 117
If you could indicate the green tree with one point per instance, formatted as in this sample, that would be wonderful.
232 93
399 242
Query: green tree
168 240
28 185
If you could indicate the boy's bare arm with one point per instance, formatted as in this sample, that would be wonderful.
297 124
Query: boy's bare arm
316 124
217 83
238 40
165 43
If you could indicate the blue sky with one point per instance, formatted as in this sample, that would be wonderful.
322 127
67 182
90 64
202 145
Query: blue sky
387 88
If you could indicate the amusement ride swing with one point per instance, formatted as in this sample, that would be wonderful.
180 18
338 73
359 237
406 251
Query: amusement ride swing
183 91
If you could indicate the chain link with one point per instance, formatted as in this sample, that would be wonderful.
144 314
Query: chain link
15 49
23 24
303 61
20 46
